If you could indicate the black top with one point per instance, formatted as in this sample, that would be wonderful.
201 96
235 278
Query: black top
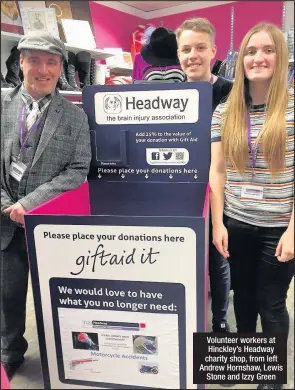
221 89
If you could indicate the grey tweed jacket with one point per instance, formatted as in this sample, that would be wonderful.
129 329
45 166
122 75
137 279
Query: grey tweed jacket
61 161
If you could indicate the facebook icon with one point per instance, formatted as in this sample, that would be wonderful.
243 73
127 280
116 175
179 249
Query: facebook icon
155 156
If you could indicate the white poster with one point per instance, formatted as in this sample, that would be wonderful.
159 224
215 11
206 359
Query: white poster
78 33
143 355
10 13
39 19
134 107
114 300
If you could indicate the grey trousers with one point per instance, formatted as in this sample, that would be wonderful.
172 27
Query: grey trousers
14 285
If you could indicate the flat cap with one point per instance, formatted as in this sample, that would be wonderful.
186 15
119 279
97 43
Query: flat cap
42 41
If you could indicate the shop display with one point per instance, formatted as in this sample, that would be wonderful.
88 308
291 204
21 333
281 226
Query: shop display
230 66
40 19
290 41
216 67
62 82
158 60
79 70
79 63
14 73
232 55
92 70
139 38
10 17
78 33
98 73
117 80
83 68
153 50
4 83
289 37
31 3
62 11
222 69
71 70
117 59
127 59
9 13
81 11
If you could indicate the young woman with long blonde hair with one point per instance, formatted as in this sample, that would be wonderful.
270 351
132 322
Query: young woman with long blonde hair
252 182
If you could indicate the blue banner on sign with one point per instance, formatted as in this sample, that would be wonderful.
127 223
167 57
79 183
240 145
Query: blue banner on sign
148 133
119 341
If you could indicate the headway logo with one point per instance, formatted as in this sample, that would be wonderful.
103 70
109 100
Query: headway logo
112 104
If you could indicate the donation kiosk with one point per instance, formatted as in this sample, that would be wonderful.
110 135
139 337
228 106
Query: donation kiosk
119 265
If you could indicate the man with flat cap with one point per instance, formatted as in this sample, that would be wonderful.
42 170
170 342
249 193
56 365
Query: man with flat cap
45 151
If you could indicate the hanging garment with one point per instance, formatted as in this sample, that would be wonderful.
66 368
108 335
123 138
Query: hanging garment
158 60
290 42
222 69
144 71
231 59
139 38
216 66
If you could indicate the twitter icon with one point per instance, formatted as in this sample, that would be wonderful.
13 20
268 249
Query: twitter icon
167 155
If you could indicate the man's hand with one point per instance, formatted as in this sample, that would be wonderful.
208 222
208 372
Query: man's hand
285 248
220 240
17 212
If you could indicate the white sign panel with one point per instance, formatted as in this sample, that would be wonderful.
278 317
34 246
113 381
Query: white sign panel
116 299
134 107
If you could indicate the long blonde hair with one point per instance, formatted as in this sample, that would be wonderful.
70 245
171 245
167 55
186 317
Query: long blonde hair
272 138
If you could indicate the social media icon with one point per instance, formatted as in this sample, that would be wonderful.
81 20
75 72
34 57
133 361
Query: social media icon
167 156
155 156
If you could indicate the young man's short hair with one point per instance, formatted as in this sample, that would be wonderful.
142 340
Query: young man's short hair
198 25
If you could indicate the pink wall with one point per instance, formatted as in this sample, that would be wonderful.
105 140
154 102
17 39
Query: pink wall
219 16
247 14
112 28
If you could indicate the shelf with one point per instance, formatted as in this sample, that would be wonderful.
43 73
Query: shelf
12 37
97 54
70 93
121 70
